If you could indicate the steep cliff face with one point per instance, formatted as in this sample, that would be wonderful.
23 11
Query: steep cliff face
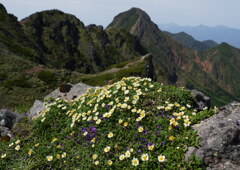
12 37
173 63
66 43
61 41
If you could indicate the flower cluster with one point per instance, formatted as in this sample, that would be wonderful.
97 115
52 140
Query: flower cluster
125 124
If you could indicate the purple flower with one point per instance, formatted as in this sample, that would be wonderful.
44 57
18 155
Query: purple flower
177 127
149 144
84 129
68 137
106 106
92 129
139 151
145 132
77 141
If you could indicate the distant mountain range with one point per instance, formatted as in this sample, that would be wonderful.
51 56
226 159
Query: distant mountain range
51 47
218 33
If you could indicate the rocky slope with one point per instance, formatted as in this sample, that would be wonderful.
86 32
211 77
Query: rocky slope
172 62
54 48
50 48
66 43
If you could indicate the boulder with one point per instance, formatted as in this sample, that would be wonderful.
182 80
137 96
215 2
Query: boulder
37 107
68 91
65 91
220 139
201 101
7 120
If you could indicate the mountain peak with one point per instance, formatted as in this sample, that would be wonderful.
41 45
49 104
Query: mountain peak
2 8
139 12
134 21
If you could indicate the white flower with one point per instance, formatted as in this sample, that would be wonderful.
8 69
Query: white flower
126 99
144 157
107 149
17 142
109 162
123 106
127 154
140 129
94 156
135 97
49 158
122 157
98 121
64 155
161 158
135 162
17 147
3 156
126 91
110 135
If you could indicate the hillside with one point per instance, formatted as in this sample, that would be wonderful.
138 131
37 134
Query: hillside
32 53
133 123
173 63
66 43
189 42
50 48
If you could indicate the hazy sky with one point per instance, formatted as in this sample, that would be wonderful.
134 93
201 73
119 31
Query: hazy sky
101 12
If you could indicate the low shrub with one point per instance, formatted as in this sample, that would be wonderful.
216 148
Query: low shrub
48 77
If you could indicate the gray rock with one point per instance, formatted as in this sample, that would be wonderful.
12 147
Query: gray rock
201 101
5 131
66 92
73 92
191 151
37 107
220 139
7 120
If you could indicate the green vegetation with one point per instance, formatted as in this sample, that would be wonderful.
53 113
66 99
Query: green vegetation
49 48
131 124
189 42
104 78
48 77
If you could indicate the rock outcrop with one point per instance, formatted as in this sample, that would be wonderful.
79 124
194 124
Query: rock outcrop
65 91
220 139
201 101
